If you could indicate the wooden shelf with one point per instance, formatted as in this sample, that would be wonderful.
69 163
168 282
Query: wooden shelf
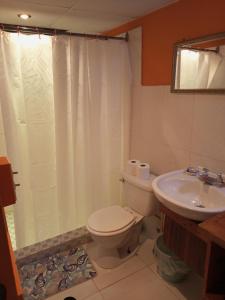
201 246
215 229
7 190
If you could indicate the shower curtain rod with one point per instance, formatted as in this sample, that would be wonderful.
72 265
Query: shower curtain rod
53 32
200 49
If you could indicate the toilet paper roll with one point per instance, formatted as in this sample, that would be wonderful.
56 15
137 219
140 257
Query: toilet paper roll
132 166
143 171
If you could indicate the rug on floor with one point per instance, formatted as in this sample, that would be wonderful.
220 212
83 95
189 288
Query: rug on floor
56 272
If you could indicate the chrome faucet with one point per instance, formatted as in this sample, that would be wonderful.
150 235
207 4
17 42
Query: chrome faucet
191 171
206 176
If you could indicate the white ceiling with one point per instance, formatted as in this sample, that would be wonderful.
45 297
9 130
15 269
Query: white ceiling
87 16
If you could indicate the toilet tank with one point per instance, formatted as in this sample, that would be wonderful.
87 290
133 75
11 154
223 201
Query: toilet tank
138 194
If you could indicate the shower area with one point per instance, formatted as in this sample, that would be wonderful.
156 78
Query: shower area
64 126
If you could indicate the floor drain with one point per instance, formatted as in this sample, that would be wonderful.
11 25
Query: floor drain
70 298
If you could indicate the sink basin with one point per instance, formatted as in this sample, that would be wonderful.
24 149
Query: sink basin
188 196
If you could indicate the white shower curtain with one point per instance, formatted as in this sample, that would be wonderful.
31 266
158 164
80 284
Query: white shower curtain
91 86
65 110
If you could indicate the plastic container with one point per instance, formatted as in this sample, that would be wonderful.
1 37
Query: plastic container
169 266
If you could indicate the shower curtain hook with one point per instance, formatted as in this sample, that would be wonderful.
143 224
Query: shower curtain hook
38 32
18 30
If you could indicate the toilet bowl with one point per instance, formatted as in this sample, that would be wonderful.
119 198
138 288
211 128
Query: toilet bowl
116 229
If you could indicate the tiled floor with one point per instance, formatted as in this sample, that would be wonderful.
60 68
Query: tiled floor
136 279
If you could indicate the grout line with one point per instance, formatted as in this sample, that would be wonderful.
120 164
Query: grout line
121 279
164 282
102 295
95 283
90 296
144 265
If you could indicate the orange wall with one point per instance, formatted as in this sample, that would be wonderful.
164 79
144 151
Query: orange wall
185 19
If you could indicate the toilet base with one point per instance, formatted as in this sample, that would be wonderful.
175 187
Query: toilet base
113 259
109 258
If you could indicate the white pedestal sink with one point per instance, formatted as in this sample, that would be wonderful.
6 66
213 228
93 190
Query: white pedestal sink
188 196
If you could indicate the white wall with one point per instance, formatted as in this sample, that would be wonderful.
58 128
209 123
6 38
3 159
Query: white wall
172 131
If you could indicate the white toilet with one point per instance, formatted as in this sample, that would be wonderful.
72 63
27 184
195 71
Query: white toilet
116 229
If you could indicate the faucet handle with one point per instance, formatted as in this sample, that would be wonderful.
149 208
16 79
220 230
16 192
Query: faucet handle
220 177
203 170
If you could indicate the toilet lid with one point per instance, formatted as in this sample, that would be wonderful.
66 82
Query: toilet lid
110 219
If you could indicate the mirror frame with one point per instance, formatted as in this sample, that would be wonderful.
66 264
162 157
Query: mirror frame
190 42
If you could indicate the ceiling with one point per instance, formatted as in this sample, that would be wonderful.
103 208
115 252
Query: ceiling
85 16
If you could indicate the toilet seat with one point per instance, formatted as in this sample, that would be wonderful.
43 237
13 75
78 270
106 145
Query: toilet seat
111 220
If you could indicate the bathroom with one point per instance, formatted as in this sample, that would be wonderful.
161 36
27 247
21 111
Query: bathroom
169 131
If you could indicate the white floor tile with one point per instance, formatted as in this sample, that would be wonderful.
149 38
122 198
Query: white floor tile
145 252
97 296
189 289
108 277
80 291
143 285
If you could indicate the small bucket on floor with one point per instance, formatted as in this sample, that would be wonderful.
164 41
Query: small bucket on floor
169 266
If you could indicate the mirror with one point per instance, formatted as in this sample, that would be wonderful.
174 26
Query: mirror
199 65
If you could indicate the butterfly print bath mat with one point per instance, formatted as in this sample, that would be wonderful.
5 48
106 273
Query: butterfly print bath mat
56 272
